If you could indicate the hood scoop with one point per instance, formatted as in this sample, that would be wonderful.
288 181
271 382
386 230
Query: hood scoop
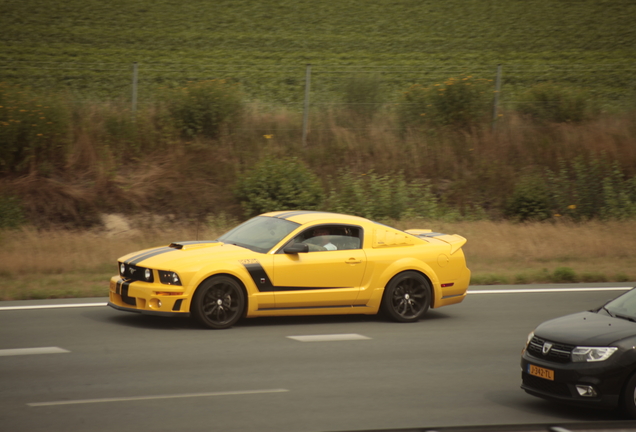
188 245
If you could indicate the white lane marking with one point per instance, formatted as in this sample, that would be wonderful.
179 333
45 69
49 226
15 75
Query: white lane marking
329 337
547 290
57 306
140 398
31 351
504 291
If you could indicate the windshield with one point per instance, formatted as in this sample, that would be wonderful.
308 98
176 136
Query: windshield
623 306
259 234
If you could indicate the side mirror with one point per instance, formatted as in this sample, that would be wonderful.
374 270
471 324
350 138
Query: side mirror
296 248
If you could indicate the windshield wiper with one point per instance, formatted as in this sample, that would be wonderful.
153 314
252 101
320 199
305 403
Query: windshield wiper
607 310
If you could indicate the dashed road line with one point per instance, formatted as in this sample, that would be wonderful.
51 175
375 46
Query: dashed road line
143 398
329 337
31 351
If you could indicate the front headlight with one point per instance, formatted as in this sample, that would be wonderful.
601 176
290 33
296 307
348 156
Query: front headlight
530 336
592 354
169 278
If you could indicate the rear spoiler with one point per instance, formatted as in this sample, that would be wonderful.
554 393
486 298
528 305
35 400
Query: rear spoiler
455 241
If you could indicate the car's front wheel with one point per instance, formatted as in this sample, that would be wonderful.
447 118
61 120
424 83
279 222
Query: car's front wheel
629 397
218 302
407 297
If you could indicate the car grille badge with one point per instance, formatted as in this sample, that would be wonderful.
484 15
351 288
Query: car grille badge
546 348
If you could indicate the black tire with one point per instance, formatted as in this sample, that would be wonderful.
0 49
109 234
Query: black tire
407 297
218 302
629 398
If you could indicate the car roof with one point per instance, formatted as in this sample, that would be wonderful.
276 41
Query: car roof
306 216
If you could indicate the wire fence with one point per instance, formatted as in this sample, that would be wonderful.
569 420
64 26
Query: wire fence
305 87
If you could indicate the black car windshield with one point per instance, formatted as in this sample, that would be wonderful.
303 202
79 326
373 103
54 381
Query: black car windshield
259 234
623 306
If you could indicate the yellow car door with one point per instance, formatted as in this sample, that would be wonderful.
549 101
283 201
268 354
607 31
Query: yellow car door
318 279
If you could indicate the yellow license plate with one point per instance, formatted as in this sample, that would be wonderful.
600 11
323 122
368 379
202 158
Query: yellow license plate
541 372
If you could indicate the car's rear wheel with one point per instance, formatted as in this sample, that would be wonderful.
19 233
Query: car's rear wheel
218 302
629 397
407 297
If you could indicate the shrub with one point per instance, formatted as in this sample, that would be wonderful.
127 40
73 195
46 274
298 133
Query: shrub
563 275
34 131
597 188
279 184
203 108
363 95
549 102
459 102
529 200
381 196
11 212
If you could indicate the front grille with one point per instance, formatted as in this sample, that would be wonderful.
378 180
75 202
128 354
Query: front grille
134 273
560 353
546 386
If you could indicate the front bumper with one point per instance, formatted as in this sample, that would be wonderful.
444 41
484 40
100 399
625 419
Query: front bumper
605 377
147 298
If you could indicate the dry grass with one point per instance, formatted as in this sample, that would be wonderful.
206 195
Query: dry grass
51 264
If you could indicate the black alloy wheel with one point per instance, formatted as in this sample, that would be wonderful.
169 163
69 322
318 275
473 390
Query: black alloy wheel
218 303
629 397
407 297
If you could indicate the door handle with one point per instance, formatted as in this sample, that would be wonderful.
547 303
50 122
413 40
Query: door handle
353 261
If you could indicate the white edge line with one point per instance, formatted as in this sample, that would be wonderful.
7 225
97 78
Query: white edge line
31 351
505 291
58 306
546 290
140 398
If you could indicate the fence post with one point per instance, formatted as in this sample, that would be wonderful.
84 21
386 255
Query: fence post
496 102
134 88
306 111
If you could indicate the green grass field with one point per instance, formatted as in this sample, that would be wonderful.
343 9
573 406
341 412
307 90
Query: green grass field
89 45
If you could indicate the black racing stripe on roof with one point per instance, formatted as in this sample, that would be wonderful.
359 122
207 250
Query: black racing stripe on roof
300 212
143 256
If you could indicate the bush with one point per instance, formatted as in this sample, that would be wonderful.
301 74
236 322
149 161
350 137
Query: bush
459 102
563 275
203 108
11 212
279 184
363 95
381 196
34 131
549 102
597 188
530 200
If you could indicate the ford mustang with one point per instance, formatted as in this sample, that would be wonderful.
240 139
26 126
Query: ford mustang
295 263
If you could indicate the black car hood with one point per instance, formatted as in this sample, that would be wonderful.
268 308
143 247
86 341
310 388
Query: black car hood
587 329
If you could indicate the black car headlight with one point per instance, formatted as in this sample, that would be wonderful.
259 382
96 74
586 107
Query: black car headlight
592 354
169 278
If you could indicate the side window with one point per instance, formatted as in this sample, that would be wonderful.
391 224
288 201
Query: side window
331 237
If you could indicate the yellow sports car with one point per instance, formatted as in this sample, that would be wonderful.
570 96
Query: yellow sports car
295 263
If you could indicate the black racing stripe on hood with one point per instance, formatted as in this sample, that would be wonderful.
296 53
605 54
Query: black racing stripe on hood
143 256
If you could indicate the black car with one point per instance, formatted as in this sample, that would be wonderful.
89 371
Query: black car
588 358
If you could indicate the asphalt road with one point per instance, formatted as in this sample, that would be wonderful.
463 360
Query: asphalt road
94 368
